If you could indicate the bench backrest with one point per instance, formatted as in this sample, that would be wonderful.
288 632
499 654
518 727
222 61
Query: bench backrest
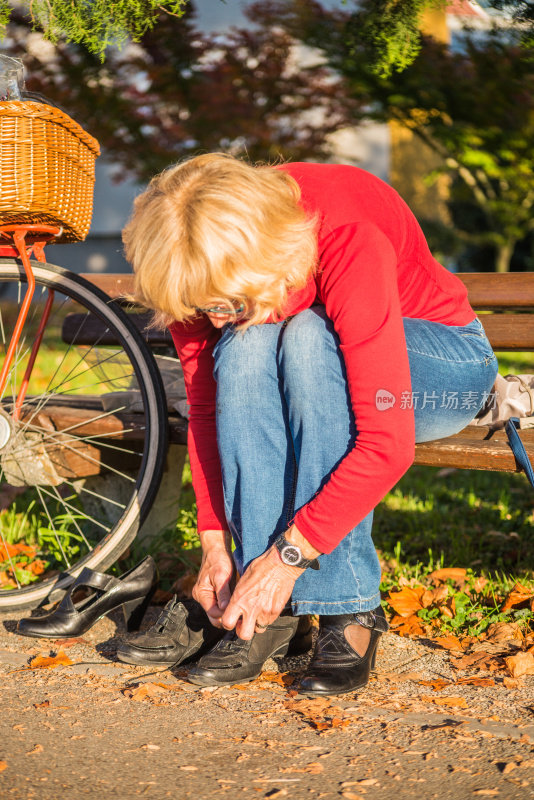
506 303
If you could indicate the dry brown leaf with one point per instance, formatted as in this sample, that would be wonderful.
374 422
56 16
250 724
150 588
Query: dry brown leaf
3 765
281 678
37 749
516 596
70 642
453 702
406 601
50 662
407 626
44 704
474 681
456 574
479 584
449 642
503 632
508 767
437 684
512 683
184 586
520 664
144 691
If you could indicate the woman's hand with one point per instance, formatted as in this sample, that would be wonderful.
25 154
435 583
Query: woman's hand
261 594
213 587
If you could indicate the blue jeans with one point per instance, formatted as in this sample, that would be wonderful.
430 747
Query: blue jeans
284 421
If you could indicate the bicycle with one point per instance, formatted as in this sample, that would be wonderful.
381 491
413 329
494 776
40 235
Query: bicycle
75 412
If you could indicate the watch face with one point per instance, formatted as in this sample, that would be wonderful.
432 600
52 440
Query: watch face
290 555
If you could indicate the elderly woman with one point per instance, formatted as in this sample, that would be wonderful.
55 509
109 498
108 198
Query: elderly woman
319 341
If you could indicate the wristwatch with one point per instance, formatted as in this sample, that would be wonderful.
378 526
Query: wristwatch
291 554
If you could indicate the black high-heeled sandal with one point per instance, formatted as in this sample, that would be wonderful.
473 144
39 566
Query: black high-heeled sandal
336 668
133 591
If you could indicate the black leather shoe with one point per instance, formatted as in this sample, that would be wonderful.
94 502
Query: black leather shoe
336 668
133 591
234 660
182 630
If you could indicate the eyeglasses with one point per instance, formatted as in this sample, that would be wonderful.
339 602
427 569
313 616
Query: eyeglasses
228 309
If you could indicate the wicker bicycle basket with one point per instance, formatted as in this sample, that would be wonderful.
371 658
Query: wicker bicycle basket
47 169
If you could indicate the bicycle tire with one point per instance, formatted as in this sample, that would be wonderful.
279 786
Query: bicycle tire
155 442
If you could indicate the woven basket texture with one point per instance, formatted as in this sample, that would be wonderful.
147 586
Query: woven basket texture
47 169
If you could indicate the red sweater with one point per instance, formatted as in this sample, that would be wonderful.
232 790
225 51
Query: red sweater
374 269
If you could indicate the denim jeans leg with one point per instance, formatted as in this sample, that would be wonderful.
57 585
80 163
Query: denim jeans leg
323 430
252 432
452 370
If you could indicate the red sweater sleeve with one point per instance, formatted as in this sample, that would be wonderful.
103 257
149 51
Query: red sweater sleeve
194 344
358 286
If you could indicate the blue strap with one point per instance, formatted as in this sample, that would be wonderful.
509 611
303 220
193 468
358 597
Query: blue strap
518 448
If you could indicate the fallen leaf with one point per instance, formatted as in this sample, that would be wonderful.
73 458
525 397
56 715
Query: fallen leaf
37 749
474 681
449 642
438 684
281 678
71 642
407 626
512 683
406 601
44 704
520 664
508 767
144 691
503 632
456 574
50 662
453 702
518 595
3 765
183 586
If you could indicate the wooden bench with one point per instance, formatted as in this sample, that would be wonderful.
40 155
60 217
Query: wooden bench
507 305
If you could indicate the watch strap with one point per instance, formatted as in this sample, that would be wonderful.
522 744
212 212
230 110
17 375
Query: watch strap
282 545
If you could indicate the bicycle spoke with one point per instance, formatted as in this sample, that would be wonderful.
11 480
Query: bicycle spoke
75 521
95 494
68 505
6 546
51 438
39 492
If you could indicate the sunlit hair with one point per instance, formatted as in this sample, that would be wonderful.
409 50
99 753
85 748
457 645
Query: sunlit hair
214 229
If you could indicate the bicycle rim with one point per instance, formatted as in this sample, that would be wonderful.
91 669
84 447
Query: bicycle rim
80 469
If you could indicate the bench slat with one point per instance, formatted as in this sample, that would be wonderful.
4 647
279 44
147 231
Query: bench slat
512 332
490 290
487 290
475 447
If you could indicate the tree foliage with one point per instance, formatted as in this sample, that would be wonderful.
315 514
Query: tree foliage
474 108
96 24
389 30
179 92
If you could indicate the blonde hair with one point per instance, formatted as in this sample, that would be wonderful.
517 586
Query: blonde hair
214 228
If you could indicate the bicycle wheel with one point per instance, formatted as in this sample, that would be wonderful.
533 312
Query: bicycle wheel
81 466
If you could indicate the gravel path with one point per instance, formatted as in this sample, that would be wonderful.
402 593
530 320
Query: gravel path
97 728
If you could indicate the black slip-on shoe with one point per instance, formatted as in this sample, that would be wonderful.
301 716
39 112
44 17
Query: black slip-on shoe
336 668
181 631
133 591
234 660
